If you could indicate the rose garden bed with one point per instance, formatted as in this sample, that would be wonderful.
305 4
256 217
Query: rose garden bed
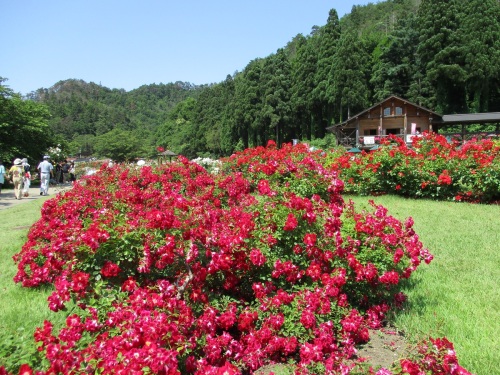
431 167
175 270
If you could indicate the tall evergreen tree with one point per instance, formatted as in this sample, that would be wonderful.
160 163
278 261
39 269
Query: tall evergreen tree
323 93
276 111
480 32
248 103
440 54
303 77
395 61
228 130
350 75
213 120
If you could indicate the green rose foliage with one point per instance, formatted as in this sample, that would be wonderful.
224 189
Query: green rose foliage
261 263
431 167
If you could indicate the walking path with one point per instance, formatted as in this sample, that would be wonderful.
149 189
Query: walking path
8 200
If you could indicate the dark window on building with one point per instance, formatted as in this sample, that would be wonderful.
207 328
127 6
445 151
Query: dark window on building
393 131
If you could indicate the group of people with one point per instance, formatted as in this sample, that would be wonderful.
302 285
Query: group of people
64 172
20 175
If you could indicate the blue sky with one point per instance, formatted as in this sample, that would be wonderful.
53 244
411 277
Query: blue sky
125 44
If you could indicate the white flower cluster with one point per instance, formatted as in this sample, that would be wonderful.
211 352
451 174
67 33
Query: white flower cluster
55 152
211 165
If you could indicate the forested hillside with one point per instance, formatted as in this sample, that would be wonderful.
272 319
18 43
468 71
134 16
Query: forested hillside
441 54
86 114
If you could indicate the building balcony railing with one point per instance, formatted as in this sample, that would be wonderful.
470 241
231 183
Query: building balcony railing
372 140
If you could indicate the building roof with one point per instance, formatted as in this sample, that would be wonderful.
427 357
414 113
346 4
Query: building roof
352 118
470 118
167 153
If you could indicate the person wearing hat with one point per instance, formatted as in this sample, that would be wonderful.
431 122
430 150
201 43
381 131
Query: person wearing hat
16 175
46 170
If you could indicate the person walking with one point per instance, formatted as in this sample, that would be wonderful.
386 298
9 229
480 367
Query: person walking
65 172
26 165
26 178
46 170
16 175
59 175
72 173
26 183
2 175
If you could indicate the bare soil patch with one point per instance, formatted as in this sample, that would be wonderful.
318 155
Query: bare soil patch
386 346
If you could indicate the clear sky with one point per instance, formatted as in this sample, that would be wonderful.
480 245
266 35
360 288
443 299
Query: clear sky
125 44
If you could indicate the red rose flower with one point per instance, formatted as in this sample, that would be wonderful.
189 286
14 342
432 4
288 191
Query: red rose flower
110 269
291 222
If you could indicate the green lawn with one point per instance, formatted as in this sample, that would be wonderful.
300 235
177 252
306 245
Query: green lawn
456 296
21 309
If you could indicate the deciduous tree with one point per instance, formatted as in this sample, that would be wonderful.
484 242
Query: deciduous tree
118 145
24 130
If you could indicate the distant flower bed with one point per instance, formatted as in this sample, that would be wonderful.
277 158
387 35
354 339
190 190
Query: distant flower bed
432 167
211 165
179 271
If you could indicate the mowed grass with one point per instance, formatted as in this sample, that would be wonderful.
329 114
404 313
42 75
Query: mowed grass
21 309
458 294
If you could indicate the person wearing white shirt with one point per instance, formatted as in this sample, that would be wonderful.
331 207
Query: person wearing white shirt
46 170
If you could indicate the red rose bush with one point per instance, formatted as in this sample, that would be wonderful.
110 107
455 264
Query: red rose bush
432 167
174 270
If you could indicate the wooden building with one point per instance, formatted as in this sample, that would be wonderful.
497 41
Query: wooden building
404 119
393 115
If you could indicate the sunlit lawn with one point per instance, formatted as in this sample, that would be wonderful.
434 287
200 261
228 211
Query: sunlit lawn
458 294
21 309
